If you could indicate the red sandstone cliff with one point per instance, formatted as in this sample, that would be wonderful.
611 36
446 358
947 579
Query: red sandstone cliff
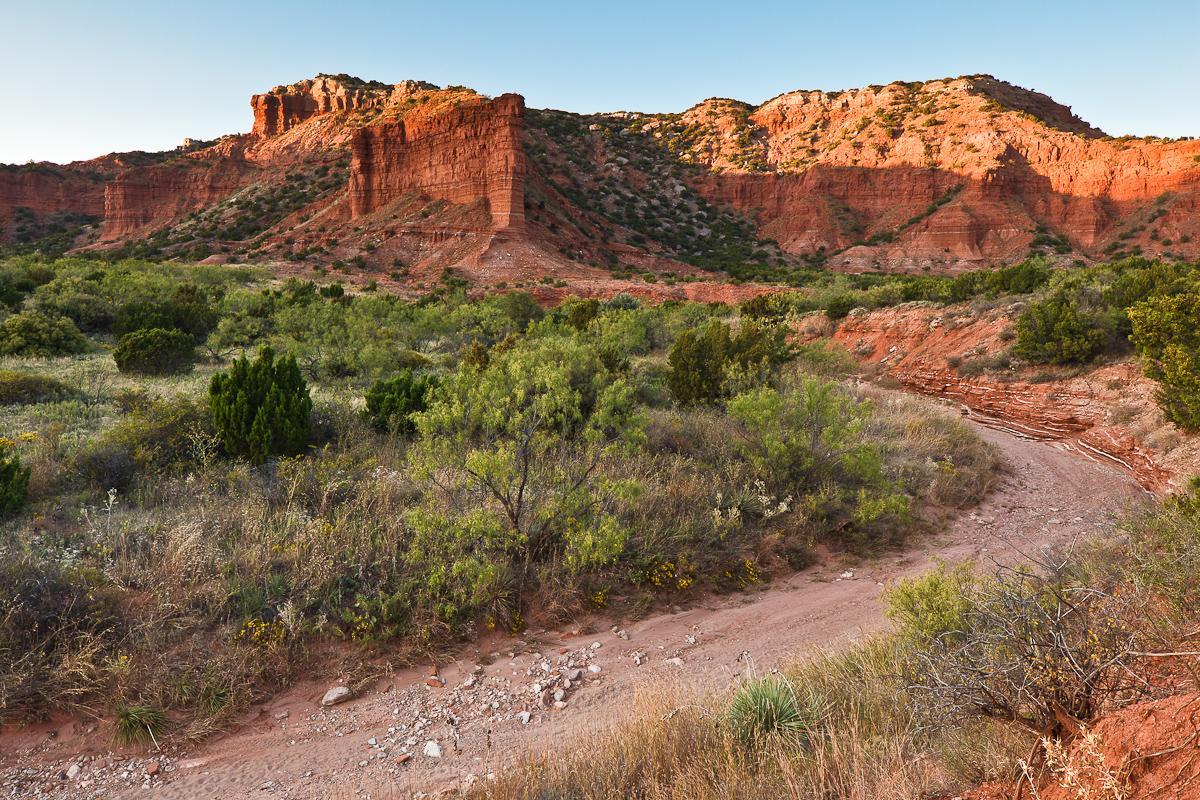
146 198
828 169
465 155
940 176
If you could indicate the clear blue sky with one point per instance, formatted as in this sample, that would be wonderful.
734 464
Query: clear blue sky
86 78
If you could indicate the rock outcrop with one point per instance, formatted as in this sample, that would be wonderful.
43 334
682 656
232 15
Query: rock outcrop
939 176
45 190
285 107
1107 413
470 153
145 198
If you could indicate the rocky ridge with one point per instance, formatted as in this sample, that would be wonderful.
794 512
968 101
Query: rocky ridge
937 176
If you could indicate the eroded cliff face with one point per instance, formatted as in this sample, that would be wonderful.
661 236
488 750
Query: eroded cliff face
1106 413
938 176
146 198
285 107
47 190
948 174
468 154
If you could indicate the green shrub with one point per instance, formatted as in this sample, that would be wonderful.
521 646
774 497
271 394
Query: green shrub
697 363
841 305
811 444
79 299
1057 331
152 436
1167 337
932 605
261 409
709 363
140 315
23 388
770 708
139 724
391 403
14 482
155 351
33 334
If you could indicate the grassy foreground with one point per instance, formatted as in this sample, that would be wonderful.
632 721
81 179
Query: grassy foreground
427 471
985 678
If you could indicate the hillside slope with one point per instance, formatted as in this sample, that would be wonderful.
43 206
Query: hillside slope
404 180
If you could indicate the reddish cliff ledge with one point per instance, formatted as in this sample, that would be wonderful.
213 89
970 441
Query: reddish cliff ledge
1107 414
46 189
285 107
145 198
464 155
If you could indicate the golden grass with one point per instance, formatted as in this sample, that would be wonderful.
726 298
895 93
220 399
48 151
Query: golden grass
872 743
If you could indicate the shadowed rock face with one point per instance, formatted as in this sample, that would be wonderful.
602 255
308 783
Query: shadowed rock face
938 176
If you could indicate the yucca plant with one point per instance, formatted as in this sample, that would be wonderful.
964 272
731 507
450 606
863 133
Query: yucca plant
139 724
771 708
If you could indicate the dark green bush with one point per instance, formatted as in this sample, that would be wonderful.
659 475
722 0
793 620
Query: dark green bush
80 299
261 408
697 364
1057 331
23 388
1166 335
155 351
391 403
33 334
709 363
14 482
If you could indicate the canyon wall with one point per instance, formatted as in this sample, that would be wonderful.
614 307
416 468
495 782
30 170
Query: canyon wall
49 190
464 155
145 198
831 170
940 176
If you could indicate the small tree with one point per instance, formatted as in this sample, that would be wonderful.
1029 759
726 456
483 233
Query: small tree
1166 337
155 351
36 335
261 408
14 482
391 403
1056 331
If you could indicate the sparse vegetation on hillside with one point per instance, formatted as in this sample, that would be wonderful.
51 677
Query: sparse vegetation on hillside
622 169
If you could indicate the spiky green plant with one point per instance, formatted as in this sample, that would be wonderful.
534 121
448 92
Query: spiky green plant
139 724
770 707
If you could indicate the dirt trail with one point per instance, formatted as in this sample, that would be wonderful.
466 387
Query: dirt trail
292 748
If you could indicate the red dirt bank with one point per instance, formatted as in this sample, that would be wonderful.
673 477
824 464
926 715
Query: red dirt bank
1107 413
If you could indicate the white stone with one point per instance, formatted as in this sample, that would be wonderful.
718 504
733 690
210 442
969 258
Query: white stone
336 695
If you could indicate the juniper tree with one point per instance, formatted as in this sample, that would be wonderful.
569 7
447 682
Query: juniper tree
261 408
14 482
